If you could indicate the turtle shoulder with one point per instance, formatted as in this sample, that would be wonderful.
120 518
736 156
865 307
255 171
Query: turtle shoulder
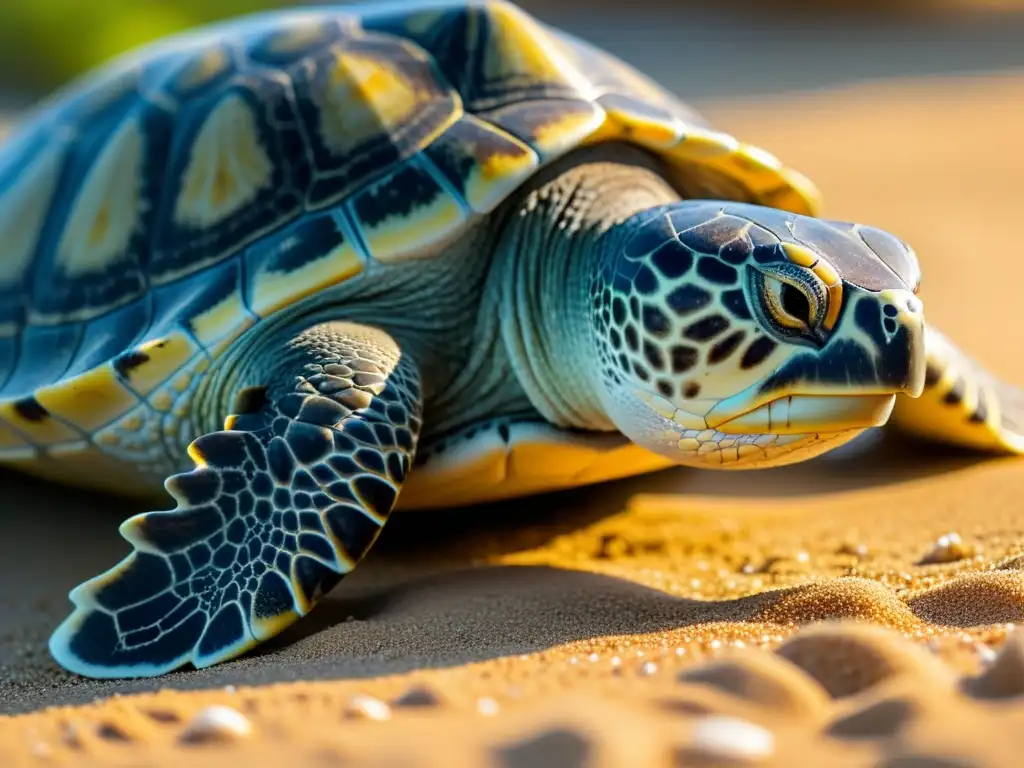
510 457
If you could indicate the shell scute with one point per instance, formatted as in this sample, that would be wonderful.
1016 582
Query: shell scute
33 422
551 126
481 162
46 354
88 401
148 365
289 44
234 175
407 213
91 256
367 104
610 76
203 70
493 53
645 122
299 260
213 311
30 170
107 336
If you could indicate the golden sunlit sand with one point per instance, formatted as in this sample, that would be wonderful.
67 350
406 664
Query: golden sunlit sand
852 611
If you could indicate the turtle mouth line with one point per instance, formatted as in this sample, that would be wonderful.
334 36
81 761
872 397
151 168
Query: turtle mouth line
804 414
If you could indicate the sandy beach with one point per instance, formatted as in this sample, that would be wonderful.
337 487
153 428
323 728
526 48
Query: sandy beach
856 610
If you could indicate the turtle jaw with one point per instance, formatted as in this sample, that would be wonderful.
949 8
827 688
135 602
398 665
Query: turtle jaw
810 414
877 352
815 400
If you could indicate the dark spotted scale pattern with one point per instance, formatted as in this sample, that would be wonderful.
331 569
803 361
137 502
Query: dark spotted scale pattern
673 300
279 509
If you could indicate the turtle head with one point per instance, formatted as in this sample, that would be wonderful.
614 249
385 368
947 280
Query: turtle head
737 336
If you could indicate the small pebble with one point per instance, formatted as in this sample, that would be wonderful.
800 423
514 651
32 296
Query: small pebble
857 549
216 723
41 750
368 707
1003 676
985 654
488 706
947 549
417 696
729 738
648 668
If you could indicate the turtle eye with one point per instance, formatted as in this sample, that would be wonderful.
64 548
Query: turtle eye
793 301
788 305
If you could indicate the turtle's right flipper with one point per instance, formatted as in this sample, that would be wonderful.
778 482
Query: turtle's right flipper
281 505
962 403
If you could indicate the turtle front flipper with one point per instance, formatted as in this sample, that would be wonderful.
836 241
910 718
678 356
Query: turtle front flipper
281 505
962 403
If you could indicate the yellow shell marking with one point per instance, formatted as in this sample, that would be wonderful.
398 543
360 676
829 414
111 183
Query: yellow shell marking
417 231
164 358
758 171
222 323
620 124
106 211
203 69
227 167
500 162
42 431
489 184
362 97
567 131
519 46
88 401
273 290
22 210
297 38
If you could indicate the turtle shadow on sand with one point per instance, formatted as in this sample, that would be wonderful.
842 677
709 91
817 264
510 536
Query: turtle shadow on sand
417 602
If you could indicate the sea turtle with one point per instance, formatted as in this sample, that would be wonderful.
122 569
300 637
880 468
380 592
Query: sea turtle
289 266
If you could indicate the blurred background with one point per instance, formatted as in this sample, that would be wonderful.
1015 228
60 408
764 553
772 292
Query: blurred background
699 48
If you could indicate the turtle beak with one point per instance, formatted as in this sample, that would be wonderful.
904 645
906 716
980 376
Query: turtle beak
878 352
904 319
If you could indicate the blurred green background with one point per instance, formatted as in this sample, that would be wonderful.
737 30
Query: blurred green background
700 48
53 40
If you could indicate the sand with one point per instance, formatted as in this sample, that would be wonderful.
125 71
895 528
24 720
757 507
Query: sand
856 610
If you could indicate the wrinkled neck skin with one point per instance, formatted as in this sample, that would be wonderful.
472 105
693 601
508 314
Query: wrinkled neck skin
554 236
